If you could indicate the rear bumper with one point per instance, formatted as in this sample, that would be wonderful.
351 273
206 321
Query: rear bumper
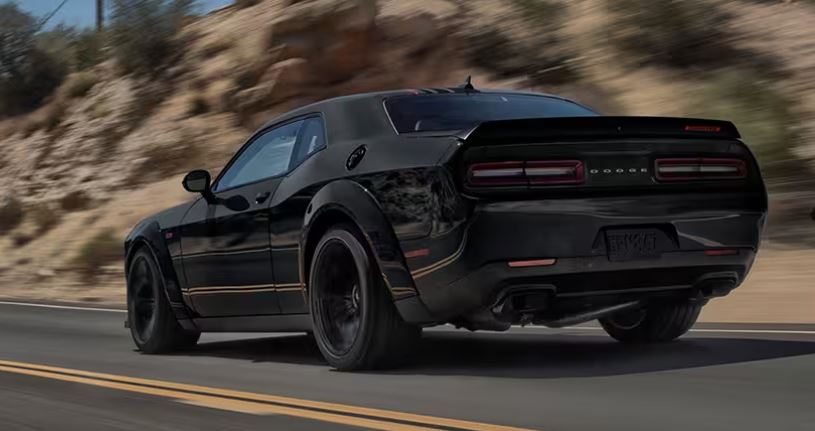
468 269
687 274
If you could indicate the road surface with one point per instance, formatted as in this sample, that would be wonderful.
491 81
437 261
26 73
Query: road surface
63 368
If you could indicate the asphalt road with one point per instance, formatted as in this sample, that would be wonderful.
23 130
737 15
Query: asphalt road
65 369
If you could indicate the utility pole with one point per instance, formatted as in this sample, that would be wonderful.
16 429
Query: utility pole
100 14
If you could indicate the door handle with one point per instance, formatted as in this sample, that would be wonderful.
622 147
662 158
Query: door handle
261 197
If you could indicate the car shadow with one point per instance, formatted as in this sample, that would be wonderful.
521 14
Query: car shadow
528 355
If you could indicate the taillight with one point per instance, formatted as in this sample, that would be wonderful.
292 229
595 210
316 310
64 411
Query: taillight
537 172
497 174
555 172
699 169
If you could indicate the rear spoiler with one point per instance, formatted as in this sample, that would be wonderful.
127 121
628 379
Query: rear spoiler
600 127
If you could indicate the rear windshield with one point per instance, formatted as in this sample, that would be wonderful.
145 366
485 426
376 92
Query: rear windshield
449 112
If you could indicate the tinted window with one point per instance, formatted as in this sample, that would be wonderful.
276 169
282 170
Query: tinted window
462 111
267 156
312 139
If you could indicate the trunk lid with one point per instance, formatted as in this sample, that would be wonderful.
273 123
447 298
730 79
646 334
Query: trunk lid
580 155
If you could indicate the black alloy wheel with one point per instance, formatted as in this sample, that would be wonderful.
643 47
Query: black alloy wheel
356 324
152 323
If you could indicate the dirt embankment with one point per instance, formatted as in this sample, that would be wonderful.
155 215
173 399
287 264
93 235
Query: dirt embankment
86 167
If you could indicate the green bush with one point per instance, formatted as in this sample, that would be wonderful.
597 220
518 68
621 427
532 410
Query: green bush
75 49
144 33
676 33
100 250
27 73
11 214
88 49
763 115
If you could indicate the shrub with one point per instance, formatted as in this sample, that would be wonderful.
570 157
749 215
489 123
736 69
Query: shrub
44 217
144 33
21 239
161 161
75 201
100 250
198 106
216 47
88 49
671 32
763 115
494 51
538 52
27 73
78 84
76 49
241 4
11 214
538 11
54 115
149 96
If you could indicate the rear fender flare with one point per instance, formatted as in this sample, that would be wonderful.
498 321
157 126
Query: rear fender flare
356 203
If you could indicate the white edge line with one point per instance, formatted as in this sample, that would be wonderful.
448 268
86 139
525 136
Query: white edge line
589 328
64 307
731 331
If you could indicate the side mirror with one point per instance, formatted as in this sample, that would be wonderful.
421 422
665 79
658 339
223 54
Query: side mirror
198 181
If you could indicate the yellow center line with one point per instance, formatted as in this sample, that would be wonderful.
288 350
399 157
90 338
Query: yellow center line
253 402
225 403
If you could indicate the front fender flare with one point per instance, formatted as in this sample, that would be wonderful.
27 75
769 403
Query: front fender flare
149 235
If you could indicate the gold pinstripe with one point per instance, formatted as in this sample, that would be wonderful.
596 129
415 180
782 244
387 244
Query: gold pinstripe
421 272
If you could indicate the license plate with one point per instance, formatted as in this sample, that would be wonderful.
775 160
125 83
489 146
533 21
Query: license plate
633 244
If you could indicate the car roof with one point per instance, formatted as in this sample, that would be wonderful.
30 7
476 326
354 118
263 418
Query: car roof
361 116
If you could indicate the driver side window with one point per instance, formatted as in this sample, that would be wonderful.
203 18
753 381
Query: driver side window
267 156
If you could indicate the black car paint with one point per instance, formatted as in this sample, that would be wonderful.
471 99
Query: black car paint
405 194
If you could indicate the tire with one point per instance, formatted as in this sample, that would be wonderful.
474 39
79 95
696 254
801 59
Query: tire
655 323
151 320
356 324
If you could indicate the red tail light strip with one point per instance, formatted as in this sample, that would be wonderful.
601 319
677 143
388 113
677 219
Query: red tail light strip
722 252
702 128
555 172
688 169
529 172
497 173
530 263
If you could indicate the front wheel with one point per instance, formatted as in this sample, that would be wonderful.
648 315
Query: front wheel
356 325
653 324
152 324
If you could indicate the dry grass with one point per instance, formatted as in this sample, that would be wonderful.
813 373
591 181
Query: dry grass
102 249
78 84
44 217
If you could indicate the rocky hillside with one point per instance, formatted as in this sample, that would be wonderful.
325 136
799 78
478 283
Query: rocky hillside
108 147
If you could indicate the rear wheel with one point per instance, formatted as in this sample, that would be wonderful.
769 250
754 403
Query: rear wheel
356 325
152 324
653 324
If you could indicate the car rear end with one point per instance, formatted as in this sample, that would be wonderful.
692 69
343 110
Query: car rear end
567 216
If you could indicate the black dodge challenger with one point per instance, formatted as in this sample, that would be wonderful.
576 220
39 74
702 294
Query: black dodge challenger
364 218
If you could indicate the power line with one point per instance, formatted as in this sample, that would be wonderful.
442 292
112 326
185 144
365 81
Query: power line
48 17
